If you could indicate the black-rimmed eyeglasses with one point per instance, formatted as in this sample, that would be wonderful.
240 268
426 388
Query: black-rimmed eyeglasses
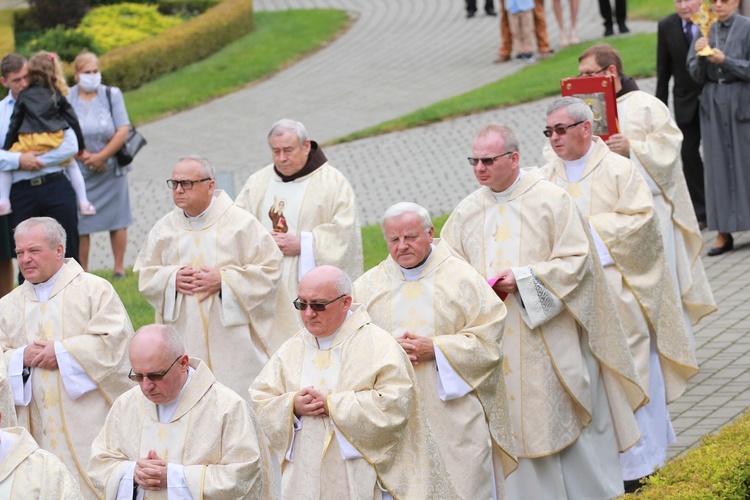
185 185
153 377
487 162
560 129
315 306
593 73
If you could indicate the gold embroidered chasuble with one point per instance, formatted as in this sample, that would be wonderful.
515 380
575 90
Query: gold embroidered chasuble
213 434
655 140
84 313
7 405
453 305
236 331
615 199
322 203
30 472
371 399
547 381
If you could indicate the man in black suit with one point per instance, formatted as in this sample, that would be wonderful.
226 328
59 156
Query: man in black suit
676 33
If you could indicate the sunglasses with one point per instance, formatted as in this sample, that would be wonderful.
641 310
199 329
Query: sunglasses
315 306
560 129
487 161
153 377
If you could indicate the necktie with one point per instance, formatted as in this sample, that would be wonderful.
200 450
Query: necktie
688 32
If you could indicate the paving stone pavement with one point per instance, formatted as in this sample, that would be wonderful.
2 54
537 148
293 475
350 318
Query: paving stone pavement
398 56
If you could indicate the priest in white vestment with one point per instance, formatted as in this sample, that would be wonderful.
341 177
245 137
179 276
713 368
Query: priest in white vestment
64 335
27 471
449 321
307 205
339 404
571 383
615 199
7 405
651 139
181 434
210 269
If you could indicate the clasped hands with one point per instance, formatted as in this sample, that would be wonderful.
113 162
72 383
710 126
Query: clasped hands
289 244
206 280
151 472
40 354
418 348
310 402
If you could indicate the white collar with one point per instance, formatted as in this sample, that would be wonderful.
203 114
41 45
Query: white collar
44 290
166 411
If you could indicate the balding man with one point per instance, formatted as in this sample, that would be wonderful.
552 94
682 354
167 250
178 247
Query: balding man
211 270
64 334
571 383
449 321
338 403
181 431
307 205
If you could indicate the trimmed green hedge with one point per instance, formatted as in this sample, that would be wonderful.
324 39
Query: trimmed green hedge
718 468
132 66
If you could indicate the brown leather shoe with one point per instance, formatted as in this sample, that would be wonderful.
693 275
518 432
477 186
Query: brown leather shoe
501 59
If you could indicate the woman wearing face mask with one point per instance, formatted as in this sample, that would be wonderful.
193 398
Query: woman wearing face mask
105 129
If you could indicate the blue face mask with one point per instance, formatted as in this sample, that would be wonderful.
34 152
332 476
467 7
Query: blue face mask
89 82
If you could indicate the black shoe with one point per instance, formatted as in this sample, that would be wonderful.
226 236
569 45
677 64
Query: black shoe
726 247
622 28
491 12
470 14
608 31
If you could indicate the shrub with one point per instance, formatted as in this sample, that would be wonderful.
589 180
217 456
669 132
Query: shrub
50 13
132 66
7 40
65 42
124 24
718 468
185 7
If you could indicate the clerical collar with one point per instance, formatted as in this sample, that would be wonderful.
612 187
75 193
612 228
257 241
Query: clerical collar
413 273
574 168
503 196
728 23
325 343
191 218
166 411
628 85
44 290
315 160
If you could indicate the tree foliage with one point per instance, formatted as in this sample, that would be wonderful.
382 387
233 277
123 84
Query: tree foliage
51 13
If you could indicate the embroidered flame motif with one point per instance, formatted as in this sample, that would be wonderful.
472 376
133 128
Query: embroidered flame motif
412 322
322 360
502 232
574 190
412 290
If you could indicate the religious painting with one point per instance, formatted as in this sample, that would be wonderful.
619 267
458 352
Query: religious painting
599 93
276 213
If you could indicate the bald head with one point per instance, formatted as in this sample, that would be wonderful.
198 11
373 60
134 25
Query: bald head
325 284
154 350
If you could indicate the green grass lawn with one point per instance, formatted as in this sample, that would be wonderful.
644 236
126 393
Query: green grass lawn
649 9
531 83
278 40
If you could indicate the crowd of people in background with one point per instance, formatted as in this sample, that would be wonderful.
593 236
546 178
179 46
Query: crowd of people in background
530 352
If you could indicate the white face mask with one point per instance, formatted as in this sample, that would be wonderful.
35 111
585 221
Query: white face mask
89 82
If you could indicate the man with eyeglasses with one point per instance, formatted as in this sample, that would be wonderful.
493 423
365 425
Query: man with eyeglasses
450 323
313 199
213 272
180 434
339 405
571 383
64 335
615 199
650 138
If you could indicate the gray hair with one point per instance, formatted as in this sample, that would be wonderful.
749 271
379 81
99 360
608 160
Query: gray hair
343 283
207 170
286 125
510 138
175 344
407 207
53 231
578 110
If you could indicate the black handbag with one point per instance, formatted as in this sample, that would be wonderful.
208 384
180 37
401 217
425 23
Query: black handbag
133 143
